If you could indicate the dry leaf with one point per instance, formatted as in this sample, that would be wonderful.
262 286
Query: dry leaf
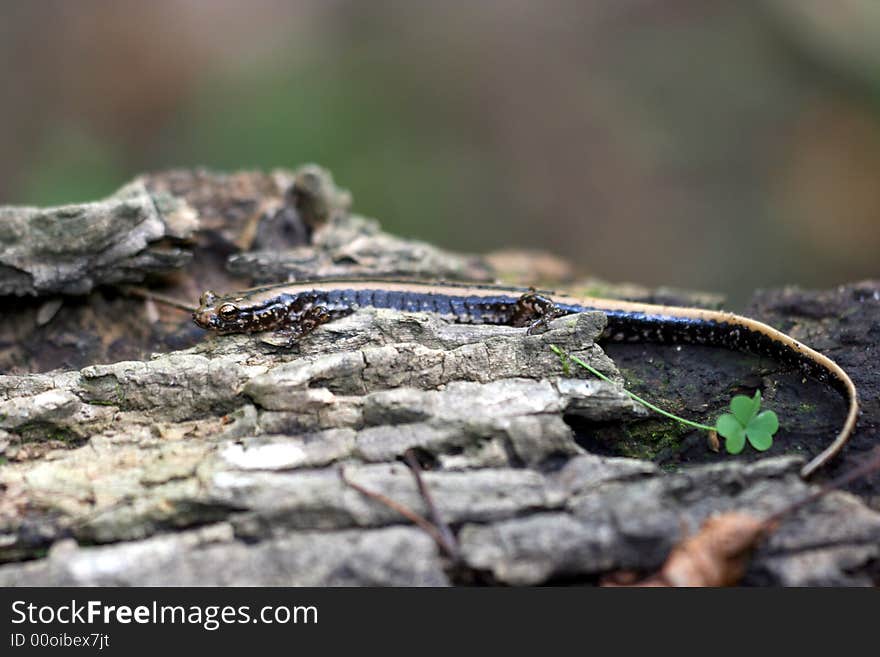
717 555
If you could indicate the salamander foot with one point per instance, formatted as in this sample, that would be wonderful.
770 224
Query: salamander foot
535 311
304 323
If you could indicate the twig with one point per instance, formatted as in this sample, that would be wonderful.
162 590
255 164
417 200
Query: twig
866 468
403 510
158 298
450 544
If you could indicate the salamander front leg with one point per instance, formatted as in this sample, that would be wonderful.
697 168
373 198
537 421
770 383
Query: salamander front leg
304 323
536 312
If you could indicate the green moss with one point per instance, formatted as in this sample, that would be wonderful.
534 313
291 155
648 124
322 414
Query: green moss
63 435
648 440
105 390
632 379
38 432
653 382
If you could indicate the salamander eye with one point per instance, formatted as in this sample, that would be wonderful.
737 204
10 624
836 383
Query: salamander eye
227 310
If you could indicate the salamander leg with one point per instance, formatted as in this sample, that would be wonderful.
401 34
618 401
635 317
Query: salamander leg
304 323
535 311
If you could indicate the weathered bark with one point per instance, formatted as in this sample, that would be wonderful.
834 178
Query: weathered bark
74 248
217 460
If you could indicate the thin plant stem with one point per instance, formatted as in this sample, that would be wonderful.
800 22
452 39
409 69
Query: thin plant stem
559 352
158 298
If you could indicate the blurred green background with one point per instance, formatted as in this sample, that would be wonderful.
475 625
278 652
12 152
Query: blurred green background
699 143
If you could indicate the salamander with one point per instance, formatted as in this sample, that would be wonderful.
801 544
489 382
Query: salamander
295 309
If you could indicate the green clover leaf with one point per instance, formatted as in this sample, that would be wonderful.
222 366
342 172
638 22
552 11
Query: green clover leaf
745 408
745 422
734 433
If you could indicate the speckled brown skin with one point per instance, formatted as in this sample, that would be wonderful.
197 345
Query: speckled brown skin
295 309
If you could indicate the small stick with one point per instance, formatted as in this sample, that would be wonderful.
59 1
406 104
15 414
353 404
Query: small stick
158 298
403 510
866 468
449 542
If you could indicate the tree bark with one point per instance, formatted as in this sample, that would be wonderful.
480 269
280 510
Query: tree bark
139 450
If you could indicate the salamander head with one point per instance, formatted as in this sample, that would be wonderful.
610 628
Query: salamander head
232 314
221 314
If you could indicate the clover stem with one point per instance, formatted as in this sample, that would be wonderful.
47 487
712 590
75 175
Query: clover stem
563 355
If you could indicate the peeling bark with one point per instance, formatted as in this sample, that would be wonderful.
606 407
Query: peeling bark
74 248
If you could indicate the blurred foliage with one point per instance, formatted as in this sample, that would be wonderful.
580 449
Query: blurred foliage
647 140
72 166
357 120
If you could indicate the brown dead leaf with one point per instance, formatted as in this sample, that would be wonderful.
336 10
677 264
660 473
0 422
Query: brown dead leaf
717 555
